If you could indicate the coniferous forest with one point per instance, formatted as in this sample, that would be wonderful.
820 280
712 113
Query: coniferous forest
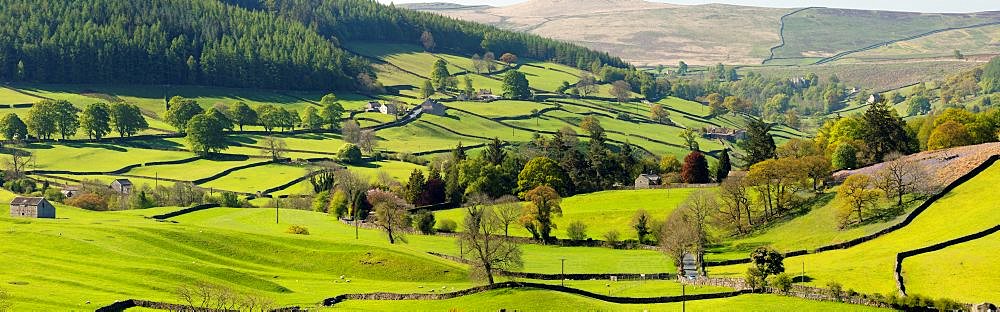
284 44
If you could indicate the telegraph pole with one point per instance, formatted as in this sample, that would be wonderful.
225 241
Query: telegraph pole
563 271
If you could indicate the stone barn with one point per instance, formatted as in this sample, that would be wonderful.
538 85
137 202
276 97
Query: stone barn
433 107
70 191
645 181
122 186
31 207
389 109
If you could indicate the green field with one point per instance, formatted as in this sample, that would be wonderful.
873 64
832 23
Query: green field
868 267
257 179
967 267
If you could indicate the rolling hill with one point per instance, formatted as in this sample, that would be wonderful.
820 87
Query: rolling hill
648 33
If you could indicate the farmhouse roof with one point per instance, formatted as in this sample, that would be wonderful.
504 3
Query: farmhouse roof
651 177
123 182
30 201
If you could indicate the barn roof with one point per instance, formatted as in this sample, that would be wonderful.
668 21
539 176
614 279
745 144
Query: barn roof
123 181
31 201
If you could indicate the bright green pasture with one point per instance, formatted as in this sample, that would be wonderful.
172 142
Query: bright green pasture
869 267
313 142
542 300
480 82
418 137
501 108
815 228
398 170
545 78
603 211
107 179
95 156
9 96
103 257
469 124
191 171
966 272
258 178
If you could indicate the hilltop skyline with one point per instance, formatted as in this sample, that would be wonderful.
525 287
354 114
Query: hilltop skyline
927 6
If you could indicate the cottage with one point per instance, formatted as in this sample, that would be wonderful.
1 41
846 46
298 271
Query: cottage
724 134
373 106
32 207
872 99
122 186
645 181
433 107
389 109
70 191
486 95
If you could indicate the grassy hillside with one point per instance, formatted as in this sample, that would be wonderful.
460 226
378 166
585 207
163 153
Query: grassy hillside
868 267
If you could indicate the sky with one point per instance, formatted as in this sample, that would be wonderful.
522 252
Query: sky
940 6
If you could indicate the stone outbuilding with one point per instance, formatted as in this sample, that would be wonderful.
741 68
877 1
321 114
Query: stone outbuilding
373 106
433 107
31 207
645 181
70 191
122 186
389 109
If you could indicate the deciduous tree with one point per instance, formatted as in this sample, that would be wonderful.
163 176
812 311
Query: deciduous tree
390 214
482 243
695 169
543 203
181 111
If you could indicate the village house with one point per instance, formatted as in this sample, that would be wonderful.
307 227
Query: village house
373 106
389 109
724 134
486 95
122 186
874 98
433 107
645 181
31 207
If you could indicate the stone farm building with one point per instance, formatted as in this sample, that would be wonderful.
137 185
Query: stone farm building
122 186
389 109
373 106
31 207
70 191
433 107
645 181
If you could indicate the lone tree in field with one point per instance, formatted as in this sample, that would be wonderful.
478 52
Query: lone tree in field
390 214
440 75
351 131
332 110
587 85
488 251
857 199
542 204
205 134
367 141
759 144
766 262
621 91
274 147
349 154
641 223
14 128
515 85
508 58
659 114
507 210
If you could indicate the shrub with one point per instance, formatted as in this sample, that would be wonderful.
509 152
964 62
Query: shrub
424 221
21 186
836 290
229 199
89 201
577 231
781 282
55 195
321 202
349 153
612 237
338 204
447 226
297 229
945 304
755 278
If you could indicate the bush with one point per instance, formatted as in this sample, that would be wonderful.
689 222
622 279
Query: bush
349 154
836 290
424 221
21 186
612 238
321 202
577 231
55 195
229 199
755 278
945 304
338 204
297 229
89 201
781 282
447 226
